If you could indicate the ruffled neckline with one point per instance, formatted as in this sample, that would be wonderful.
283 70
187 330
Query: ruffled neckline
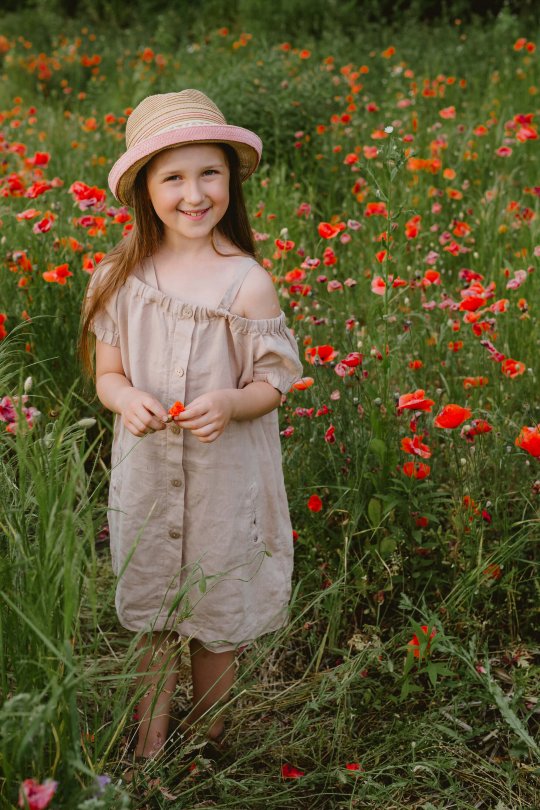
186 309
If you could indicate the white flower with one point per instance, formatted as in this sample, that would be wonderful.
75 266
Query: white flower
389 129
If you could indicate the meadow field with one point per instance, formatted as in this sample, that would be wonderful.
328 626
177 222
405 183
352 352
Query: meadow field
397 210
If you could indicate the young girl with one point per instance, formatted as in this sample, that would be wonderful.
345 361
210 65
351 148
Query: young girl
201 538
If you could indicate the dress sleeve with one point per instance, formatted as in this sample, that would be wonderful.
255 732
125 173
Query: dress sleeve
104 324
275 355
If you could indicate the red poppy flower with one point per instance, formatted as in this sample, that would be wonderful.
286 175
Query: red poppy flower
329 436
452 416
378 285
285 245
353 766
413 470
301 385
493 571
512 368
529 440
376 209
316 355
431 277
176 409
58 274
414 644
329 257
35 796
415 401
448 112
472 303
474 382
328 231
353 359
290 772
412 227
476 428
314 503
44 225
415 447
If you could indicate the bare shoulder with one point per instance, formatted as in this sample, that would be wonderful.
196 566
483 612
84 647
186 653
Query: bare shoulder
258 297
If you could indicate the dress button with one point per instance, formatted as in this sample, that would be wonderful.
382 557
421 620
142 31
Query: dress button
176 482
174 534
180 372
175 429
188 312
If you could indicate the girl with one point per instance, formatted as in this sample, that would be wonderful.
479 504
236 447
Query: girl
201 539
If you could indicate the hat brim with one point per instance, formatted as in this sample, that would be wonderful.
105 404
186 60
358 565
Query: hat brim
247 144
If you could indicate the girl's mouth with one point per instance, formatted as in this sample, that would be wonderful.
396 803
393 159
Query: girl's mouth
195 214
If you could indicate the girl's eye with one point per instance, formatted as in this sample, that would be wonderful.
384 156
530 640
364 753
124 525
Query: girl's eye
211 171
172 177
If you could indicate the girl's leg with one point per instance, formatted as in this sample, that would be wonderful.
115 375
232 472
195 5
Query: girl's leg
213 677
158 669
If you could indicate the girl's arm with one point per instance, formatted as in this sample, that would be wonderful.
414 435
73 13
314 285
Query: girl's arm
140 411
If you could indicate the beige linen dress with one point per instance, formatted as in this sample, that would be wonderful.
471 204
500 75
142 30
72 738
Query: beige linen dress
201 538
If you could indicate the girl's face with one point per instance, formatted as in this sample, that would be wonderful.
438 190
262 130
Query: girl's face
189 189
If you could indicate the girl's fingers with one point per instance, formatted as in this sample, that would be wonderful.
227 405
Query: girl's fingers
204 430
156 424
138 425
212 437
156 409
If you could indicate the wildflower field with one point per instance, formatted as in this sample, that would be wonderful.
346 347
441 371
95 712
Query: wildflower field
397 210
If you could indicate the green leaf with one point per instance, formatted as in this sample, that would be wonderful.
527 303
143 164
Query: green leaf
379 448
387 546
374 512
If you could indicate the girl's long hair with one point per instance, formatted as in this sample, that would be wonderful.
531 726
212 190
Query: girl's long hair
144 240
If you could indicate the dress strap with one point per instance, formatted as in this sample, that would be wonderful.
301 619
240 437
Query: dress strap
233 290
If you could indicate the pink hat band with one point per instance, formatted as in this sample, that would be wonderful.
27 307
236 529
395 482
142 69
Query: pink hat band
175 119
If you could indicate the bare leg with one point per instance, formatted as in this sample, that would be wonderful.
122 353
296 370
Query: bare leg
213 677
158 670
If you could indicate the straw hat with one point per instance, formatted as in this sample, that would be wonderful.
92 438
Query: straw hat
174 119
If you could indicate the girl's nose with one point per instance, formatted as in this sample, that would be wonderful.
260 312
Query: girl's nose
193 192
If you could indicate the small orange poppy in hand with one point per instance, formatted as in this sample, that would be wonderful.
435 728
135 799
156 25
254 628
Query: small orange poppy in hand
176 409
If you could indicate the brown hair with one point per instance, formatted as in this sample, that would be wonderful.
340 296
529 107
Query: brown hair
144 240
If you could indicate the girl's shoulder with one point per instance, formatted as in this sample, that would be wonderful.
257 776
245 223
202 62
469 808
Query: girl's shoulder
257 297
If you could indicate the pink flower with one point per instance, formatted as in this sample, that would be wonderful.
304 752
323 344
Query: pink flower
378 285
34 796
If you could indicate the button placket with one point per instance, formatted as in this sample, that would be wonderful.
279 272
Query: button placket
181 345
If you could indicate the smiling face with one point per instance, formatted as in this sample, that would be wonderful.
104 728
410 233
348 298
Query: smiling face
189 190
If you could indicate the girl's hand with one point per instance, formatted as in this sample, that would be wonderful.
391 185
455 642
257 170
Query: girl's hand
207 416
141 412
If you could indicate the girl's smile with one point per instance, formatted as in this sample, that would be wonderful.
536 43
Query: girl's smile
188 186
195 214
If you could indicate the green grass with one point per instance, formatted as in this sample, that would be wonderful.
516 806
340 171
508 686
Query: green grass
456 727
